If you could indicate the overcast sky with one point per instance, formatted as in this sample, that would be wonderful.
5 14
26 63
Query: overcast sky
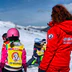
30 12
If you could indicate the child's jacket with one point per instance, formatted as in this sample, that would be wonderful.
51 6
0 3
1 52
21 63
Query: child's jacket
13 57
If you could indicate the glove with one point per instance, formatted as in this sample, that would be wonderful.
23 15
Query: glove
0 70
25 67
1 66
35 57
39 70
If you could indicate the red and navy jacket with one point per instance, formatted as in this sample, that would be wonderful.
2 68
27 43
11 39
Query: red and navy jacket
59 46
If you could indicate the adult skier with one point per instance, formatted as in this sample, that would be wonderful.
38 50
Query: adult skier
59 42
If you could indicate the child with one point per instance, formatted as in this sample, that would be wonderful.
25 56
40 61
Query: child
13 57
37 53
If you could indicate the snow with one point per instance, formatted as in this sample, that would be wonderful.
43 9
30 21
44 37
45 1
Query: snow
27 38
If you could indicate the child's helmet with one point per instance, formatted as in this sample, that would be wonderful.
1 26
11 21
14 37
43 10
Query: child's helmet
37 40
4 36
13 32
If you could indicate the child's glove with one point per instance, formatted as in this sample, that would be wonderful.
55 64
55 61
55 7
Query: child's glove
35 57
0 70
1 66
25 67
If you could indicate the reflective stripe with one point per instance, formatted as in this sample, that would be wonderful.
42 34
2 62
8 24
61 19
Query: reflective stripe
11 69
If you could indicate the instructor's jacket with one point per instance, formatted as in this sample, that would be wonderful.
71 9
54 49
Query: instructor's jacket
59 45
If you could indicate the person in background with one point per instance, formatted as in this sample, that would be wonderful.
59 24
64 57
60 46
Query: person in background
38 53
13 56
59 42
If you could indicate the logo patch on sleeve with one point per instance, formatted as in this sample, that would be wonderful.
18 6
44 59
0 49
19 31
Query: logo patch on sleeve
50 36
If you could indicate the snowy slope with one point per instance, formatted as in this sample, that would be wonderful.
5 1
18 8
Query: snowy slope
26 37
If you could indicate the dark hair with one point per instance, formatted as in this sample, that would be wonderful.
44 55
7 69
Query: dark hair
13 39
4 35
60 14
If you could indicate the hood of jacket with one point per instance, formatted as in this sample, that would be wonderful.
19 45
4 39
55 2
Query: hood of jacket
66 26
